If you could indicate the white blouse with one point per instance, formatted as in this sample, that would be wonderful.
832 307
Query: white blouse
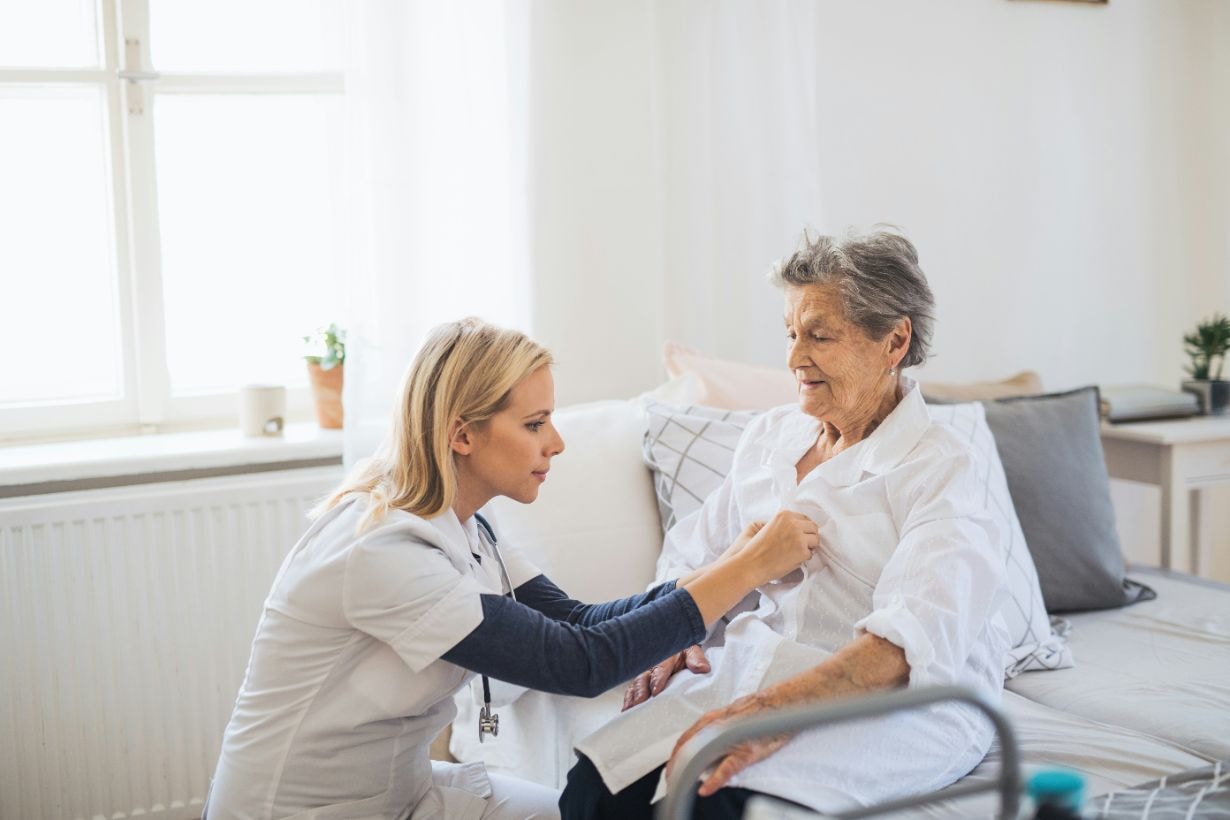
345 688
907 553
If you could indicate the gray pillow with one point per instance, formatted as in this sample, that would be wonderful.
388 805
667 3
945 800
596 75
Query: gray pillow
1051 448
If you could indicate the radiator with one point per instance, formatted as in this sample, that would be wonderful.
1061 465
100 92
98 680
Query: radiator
126 616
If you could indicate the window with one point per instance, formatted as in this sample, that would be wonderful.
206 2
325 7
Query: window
168 217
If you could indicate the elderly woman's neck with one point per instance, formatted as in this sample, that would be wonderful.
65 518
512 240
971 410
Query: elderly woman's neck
841 433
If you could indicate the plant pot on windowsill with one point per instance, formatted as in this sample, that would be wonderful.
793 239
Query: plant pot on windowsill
327 394
1214 395
326 355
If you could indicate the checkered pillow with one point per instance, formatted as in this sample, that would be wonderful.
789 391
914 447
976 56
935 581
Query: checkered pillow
690 451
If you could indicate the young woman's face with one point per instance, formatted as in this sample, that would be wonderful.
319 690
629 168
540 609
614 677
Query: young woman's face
511 452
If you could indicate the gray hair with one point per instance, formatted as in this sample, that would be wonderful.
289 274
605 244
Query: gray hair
880 282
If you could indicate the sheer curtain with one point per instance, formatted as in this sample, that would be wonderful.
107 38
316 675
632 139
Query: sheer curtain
434 214
603 175
742 114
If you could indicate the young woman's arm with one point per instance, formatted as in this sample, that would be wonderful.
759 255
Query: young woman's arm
520 645
539 593
524 646
542 594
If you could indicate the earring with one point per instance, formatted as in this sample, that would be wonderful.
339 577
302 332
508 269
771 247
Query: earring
892 371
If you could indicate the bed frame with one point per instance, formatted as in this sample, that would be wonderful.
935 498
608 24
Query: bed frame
708 745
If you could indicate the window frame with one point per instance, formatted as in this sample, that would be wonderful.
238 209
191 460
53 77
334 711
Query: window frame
131 87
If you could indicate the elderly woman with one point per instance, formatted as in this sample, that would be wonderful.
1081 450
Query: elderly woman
904 590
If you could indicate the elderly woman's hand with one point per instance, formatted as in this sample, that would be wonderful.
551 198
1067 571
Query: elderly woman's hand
737 757
649 684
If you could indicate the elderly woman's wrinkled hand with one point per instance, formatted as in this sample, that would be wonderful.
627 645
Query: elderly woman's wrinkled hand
782 545
652 683
737 757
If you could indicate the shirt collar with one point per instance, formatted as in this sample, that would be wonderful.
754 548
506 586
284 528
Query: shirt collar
893 440
877 454
455 533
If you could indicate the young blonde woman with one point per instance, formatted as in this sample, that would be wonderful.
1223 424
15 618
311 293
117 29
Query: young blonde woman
398 594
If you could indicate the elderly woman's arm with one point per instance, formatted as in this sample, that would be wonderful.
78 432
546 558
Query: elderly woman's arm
869 663
935 599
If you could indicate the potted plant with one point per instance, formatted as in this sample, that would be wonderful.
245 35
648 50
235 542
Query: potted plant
1207 347
325 359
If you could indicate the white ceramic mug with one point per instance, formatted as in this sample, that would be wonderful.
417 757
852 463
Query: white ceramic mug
262 409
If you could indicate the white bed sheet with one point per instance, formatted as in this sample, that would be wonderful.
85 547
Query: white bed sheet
1161 667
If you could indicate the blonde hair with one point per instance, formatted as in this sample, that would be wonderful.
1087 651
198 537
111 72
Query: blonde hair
465 370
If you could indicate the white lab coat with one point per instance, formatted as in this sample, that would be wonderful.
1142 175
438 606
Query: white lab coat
345 688
908 553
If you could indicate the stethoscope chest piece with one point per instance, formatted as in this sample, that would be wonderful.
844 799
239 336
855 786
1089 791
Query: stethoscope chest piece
488 723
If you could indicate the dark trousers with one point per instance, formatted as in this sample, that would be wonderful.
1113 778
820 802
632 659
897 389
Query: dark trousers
586 797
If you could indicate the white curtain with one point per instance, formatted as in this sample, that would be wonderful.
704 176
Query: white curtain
604 175
434 230
741 121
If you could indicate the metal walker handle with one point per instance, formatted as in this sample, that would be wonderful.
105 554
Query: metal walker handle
712 742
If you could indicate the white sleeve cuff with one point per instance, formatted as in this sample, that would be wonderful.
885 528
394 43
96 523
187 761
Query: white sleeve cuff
450 619
897 625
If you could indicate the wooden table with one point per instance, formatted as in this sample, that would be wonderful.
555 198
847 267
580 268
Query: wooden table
1182 457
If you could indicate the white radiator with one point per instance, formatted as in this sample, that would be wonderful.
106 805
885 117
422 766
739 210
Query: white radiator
126 616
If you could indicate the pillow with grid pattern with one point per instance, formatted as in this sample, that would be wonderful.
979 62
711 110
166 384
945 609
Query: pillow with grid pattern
690 451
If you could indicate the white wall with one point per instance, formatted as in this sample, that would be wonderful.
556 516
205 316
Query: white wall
594 195
1063 168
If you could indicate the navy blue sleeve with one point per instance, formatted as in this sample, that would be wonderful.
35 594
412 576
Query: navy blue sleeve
520 645
541 594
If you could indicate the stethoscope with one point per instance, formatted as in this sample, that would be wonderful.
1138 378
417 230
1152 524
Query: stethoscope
488 721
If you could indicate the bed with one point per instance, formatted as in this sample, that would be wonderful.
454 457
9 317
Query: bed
1149 696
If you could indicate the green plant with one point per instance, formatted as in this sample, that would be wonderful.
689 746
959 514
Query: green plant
327 347
1208 343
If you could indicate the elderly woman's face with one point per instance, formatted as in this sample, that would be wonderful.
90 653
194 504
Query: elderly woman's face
839 370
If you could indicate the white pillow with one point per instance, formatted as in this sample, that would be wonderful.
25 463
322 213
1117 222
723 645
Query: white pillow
690 451
594 529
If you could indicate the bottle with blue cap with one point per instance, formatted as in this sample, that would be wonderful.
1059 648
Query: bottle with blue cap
1056 794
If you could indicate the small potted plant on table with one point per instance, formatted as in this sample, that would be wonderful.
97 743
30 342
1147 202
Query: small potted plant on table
325 360
1207 346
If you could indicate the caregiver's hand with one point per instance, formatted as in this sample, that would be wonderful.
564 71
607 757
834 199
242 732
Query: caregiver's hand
737 757
779 547
648 684
745 538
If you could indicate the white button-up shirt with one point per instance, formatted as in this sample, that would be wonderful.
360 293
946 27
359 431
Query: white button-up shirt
345 688
907 552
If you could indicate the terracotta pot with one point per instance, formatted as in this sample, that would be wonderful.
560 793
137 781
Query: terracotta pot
327 391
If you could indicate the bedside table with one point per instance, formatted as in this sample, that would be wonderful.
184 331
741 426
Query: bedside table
1181 457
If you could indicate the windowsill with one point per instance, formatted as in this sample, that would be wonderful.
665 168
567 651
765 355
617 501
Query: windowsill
69 465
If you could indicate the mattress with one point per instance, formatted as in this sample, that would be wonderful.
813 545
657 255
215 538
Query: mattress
1160 667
